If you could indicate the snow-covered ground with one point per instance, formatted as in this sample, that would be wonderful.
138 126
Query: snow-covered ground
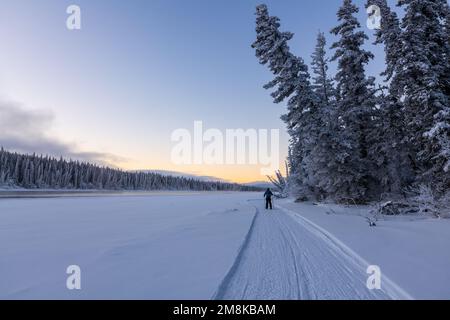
411 251
160 246
214 245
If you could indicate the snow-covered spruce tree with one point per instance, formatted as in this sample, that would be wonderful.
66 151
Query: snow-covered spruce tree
291 83
354 177
443 119
272 50
304 126
443 139
391 151
389 35
322 84
322 158
424 66
445 18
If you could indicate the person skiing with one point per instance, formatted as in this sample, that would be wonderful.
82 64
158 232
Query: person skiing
268 195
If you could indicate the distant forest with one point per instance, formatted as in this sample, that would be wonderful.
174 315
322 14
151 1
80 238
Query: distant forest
45 172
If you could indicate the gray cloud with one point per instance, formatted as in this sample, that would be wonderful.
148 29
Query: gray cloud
26 131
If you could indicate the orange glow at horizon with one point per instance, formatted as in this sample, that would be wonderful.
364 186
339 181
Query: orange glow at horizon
232 173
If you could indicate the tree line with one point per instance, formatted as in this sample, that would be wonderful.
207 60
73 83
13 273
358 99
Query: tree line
37 171
353 140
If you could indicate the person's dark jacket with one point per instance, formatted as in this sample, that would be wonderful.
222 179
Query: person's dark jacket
268 194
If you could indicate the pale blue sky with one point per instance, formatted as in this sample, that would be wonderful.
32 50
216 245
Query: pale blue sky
140 69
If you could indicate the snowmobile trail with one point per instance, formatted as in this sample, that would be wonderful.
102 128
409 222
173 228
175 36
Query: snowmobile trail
285 258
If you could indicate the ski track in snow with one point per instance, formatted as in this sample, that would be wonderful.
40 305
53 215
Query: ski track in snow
285 256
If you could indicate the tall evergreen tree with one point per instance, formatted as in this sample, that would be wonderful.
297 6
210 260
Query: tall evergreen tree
322 84
391 152
389 35
355 175
292 84
421 77
322 156
445 141
272 50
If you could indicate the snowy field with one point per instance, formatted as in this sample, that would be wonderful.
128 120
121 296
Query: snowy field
160 246
213 246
